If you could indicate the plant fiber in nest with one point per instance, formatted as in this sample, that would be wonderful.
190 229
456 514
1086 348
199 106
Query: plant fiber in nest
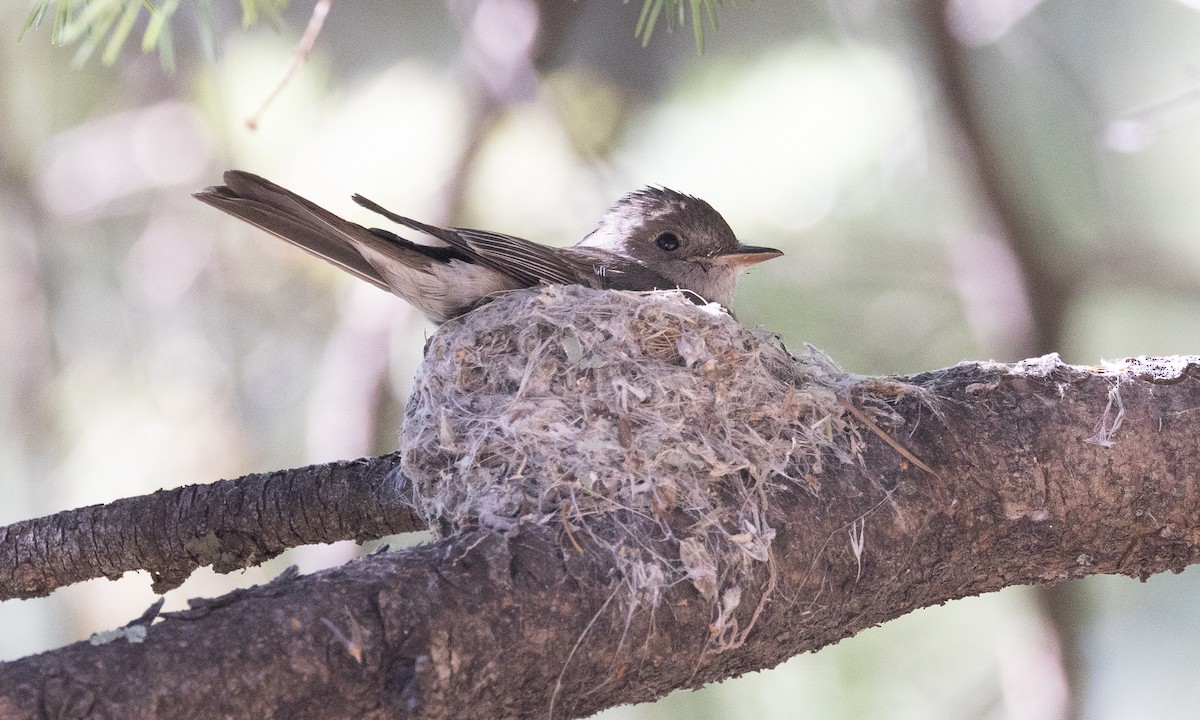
560 403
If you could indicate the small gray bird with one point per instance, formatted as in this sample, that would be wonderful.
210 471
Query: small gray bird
651 239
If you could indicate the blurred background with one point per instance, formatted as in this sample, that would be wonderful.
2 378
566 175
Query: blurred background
971 179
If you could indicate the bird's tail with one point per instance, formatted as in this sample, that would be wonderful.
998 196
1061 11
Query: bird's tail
290 217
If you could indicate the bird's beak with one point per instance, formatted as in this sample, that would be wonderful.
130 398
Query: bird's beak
745 256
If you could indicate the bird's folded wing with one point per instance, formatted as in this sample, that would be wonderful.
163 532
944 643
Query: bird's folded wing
523 260
526 259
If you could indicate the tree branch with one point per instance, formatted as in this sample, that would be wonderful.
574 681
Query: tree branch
230 524
1044 472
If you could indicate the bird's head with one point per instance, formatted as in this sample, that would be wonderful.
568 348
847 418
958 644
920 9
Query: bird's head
681 238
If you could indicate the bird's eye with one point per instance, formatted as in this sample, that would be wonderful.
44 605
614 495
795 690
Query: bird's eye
667 241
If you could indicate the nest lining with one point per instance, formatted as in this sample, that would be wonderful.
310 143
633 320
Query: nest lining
561 403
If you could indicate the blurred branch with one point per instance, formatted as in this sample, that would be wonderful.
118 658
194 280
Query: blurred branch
499 75
536 621
1025 231
230 524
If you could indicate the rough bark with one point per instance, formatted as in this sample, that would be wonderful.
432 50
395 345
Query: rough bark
229 524
1043 472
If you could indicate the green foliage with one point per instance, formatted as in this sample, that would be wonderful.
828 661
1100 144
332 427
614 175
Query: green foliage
108 24
675 14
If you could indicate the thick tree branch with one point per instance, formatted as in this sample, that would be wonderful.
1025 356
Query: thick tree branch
1043 472
230 524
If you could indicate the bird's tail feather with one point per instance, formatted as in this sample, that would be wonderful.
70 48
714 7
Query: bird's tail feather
290 217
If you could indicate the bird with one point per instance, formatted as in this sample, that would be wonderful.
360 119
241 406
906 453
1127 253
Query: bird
651 239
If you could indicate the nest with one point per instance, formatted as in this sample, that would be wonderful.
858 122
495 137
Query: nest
563 403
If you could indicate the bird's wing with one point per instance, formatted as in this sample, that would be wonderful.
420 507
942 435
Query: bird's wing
523 260
541 263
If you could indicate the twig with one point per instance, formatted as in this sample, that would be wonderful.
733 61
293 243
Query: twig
303 48
862 417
